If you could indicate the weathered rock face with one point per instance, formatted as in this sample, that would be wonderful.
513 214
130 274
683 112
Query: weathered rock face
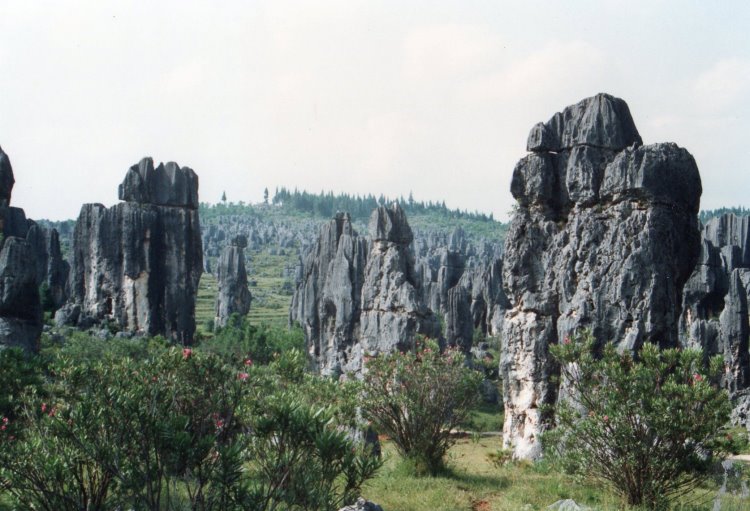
139 263
165 185
604 238
20 277
393 306
51 269
233 297
444 264
327 300
715 304
20 307
351 302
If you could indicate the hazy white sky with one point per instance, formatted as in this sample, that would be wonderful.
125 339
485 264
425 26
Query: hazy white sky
345 95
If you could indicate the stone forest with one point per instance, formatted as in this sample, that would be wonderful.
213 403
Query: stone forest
593 353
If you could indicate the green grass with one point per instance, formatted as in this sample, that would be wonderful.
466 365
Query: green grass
474 483
484 417
205 302
270 303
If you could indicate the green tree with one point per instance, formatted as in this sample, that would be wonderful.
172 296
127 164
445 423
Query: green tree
416 398
649 426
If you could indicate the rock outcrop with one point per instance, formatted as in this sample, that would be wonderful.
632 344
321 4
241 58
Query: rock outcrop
51 269
233 296
20 271
715 305
138 263
327 300
20 306
393 305
458 275
352 301
604 238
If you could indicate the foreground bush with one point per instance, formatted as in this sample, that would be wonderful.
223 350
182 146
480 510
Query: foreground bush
416 398
178 429
650 427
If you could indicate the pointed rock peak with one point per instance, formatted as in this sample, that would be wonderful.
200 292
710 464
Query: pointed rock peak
6 179
601 121
390 224
343 222
165 185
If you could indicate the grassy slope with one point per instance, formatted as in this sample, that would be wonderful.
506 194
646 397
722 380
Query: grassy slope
475 484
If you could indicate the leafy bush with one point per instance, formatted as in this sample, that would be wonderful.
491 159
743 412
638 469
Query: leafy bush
303 461
241 340
416 398
650 426
170 428
19 372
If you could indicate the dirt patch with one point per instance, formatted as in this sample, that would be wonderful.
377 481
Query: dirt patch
480 505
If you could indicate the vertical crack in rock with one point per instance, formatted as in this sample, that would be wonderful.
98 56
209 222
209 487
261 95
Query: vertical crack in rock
604 238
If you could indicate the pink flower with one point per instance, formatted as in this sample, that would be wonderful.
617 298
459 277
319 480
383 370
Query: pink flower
605 418
243 376
2 428
44 407
697 377
5 420
566 340
219 423
186 353
248 362
52 412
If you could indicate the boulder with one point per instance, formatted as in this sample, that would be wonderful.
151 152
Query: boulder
604 238
362 505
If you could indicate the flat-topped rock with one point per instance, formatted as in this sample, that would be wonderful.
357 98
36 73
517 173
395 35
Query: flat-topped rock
165 185
139 262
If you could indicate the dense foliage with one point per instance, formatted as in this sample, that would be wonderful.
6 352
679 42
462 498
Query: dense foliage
326 204
143 425
417 398
239 339
650 426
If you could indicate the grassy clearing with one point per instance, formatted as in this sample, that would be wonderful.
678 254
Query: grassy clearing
485 417
473 483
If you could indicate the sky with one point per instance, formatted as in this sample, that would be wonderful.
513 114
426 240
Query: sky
431 97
